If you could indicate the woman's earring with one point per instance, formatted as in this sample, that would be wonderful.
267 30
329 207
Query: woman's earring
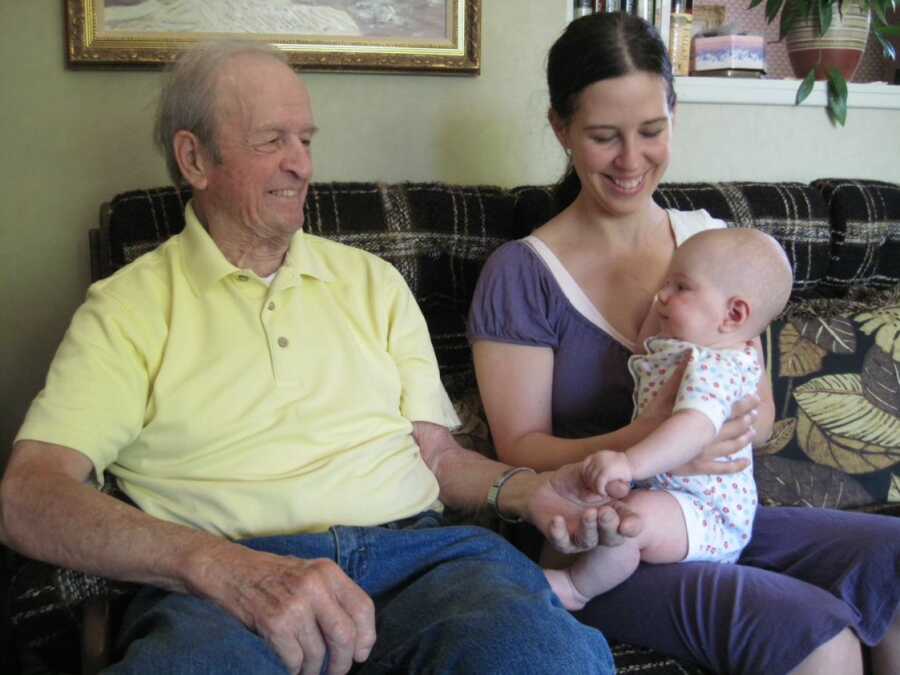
568 152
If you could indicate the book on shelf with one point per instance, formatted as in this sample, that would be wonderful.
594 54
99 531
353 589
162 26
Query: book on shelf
662 17
644 9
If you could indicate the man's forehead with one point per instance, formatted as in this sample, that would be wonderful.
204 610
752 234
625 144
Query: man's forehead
260 88
255 71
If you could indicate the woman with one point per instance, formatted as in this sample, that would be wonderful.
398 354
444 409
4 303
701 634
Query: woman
553 322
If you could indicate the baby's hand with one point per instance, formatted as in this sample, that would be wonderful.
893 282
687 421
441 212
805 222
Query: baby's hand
606 466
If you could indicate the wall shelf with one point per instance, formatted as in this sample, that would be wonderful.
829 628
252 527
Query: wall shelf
747 91
728 90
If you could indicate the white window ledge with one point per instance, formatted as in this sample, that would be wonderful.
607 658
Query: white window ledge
725 90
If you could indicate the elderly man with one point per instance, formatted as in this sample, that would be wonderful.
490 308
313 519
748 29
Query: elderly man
270 401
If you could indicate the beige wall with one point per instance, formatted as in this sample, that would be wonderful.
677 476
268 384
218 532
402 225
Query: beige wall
70 139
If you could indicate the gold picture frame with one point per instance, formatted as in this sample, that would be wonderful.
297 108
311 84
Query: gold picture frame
441 36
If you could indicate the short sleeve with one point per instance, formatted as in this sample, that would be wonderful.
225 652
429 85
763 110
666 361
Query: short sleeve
423 397
513 300
714 380
97 387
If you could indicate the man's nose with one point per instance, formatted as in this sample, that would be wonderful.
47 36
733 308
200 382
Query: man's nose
297 159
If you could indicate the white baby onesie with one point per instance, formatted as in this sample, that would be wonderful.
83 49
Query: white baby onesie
718 510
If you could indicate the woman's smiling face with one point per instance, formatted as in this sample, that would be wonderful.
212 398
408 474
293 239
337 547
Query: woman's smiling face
619 137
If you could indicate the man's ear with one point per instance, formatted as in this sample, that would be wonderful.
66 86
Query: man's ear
559 128
737 315
192 158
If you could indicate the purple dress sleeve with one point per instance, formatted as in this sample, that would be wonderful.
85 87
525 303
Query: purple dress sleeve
518 301
512 301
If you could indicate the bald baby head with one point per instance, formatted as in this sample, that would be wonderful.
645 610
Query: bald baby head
744 263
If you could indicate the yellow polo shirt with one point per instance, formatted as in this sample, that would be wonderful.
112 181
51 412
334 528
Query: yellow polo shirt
247 409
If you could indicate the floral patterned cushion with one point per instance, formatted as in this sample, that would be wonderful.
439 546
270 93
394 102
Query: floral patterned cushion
835 366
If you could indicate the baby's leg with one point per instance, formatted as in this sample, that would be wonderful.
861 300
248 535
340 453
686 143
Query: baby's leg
663 540
594 572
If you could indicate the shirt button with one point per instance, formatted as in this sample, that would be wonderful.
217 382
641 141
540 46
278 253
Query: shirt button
242 277
271 305
283 342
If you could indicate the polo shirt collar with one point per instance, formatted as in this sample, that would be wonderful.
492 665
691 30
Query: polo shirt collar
205 264
303 260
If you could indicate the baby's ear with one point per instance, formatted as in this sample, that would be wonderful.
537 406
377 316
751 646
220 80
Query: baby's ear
738 312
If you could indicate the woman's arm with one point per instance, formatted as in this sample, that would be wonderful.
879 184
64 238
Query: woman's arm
516 384
765 418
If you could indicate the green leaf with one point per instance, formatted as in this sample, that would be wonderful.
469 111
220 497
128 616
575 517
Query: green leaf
824 16
889 31
789 16
837 97
885 323
879 12
887 47
806 86
755 3
772 9
883 7
837 426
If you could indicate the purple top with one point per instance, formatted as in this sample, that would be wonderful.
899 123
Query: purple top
526 297
519 301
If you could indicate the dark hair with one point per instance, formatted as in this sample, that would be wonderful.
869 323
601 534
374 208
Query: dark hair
599 47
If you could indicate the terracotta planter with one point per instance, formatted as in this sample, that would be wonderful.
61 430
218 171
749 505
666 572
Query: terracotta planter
842 46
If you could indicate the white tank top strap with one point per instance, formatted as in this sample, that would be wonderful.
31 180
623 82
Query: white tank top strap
573 292
686 224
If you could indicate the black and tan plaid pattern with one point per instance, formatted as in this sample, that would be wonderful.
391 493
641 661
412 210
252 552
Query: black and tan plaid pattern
793 213
865 227
438 235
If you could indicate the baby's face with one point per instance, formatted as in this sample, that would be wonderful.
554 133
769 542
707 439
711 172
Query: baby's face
690 306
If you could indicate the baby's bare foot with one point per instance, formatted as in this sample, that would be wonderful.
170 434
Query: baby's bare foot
561 583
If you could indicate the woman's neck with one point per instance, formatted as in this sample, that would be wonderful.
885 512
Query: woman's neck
585 220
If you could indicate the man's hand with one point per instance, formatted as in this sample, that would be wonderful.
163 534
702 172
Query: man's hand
573 517
306 610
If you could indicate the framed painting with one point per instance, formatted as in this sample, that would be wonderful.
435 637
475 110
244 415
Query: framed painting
357 35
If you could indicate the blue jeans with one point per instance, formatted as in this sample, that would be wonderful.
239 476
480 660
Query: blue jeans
447 599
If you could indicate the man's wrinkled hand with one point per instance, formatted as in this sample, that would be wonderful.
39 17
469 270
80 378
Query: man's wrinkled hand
307 610
574 518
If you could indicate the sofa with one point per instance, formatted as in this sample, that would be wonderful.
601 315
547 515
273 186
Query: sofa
833 355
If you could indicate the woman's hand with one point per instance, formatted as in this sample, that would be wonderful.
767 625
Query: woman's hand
735 434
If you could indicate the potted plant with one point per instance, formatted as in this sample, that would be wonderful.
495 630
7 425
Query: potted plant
821 61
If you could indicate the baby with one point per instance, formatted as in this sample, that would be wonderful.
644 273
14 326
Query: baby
722 289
